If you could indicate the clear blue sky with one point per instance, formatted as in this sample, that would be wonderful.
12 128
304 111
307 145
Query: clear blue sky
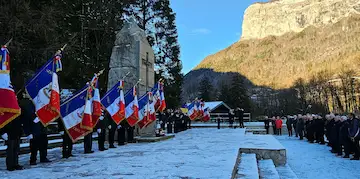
207 26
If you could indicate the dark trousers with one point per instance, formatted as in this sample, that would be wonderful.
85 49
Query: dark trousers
267 130
12 153
189 124
218 126
301 134
290 132
347 146
278 131
320 137
169 128
88 143
296 132
112 136
356 147
101 140
275 131
130 135
121 136
163 125
67 146
242 124
38 143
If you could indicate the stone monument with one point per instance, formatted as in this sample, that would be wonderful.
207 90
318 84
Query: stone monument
133 54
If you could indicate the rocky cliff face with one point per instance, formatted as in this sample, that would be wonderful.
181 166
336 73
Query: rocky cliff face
281 16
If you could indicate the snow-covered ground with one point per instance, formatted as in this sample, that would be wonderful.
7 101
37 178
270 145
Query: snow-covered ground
315 161
196 153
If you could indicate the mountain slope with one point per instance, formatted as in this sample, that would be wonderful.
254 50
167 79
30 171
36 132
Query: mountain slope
277 61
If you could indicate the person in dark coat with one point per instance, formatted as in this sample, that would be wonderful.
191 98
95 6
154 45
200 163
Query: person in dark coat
289 123
240 115
162 118
169 123
300 125
67 144
218 121
328 125
35 131
112 129
320 129
130 134
122 132
294 125
231 117
11 133
267 125
344 138
177 122
310 129
335 129
101 130
273 120
354 133
88 143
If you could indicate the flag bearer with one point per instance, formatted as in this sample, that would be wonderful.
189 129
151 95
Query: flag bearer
101 130
35 131
67 144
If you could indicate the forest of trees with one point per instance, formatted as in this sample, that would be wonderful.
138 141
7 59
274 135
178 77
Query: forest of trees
39 28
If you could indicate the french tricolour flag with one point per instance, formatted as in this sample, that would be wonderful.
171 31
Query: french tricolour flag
144 110
114 102
95 101
132 107
156 95
162 98
192 111
206 116
9 107
43 89
73 111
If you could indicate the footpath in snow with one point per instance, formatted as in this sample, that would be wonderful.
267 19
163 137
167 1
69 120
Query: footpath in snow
315 161
195 153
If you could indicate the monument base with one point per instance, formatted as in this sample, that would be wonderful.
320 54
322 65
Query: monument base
148 131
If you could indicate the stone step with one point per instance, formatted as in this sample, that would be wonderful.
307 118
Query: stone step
267 169
248 168
286 172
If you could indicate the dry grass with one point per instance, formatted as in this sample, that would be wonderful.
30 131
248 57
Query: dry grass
278 61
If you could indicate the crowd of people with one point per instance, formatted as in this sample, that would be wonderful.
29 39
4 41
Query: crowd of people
340 132
27 124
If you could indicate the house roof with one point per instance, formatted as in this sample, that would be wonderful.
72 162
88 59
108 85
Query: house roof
212 105
215 104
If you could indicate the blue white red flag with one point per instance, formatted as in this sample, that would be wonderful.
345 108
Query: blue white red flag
132 107
73 111
206 116
43 89
162 98
192 111
9 107
114 102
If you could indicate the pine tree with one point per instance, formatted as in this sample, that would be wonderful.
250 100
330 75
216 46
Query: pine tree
206 89
158 21
225 95
239 94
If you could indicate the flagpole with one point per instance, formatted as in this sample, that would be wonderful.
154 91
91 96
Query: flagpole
8 42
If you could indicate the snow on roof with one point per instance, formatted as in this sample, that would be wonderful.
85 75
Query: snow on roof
214 104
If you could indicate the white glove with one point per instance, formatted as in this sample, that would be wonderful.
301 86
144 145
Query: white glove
5 136
119 126
109 126
98 131
61 132
29 137
101 118
36 120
